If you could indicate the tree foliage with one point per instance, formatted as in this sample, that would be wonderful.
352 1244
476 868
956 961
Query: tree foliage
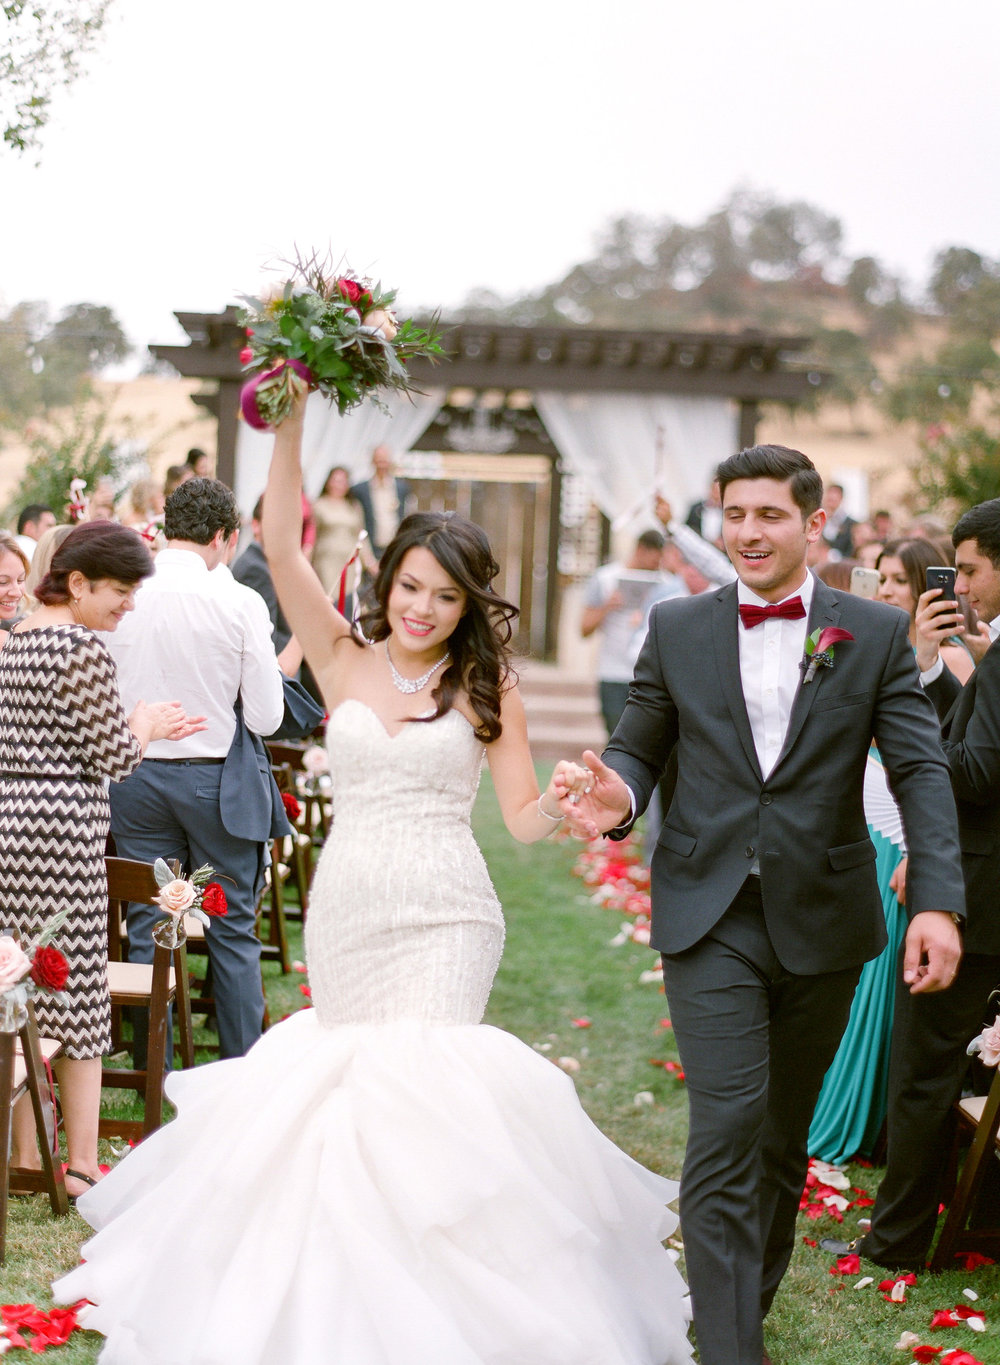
79 446
42 45
45 364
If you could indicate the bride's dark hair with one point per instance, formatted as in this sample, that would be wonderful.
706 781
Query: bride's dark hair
480 643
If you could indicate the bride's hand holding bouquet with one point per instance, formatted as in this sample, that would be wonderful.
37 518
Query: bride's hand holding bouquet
325 330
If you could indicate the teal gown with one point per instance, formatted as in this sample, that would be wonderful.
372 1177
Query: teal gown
852 1102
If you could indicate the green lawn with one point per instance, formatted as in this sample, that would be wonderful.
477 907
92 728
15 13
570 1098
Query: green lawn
559 966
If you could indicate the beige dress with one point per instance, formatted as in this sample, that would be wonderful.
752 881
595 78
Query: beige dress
338 523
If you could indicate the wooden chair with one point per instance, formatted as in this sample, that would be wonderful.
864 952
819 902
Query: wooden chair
22 1071
297 847
153 986
316 802
978 1116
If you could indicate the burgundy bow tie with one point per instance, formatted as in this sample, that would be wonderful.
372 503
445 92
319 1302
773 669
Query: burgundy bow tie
792 610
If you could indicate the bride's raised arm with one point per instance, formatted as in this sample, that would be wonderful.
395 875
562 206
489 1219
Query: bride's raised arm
313 619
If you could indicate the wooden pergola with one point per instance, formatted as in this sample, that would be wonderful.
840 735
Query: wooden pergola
748 367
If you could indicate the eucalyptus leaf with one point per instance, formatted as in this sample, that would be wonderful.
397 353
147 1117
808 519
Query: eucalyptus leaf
162 873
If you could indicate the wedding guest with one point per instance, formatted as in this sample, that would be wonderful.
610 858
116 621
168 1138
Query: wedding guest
14 568
192 636
765 901
931 1034
176 475
42 561
338 520
198 463
705 516
250 567
903 565
63 730
32 521
839 527
606 610
384 500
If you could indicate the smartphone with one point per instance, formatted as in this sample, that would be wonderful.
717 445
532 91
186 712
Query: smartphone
865 582
943 577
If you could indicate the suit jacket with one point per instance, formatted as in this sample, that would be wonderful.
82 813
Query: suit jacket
362 491
805 821
970 724
249 801
252 569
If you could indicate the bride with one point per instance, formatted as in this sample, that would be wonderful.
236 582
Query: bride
383 1179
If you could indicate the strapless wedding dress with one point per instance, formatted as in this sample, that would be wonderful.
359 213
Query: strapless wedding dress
384 1180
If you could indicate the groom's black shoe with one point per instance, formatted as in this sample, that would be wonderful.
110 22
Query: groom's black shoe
857 1247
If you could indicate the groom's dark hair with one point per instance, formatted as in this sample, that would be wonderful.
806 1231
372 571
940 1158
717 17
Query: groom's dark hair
775 462
981 524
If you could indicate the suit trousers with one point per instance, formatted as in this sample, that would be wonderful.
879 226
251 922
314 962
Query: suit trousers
927 1065
171 810
755 1041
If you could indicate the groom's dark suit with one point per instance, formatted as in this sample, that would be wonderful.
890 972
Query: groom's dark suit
760 971
931 1033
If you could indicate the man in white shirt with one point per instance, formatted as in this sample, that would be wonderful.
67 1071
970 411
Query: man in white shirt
32 523
193 638
764 895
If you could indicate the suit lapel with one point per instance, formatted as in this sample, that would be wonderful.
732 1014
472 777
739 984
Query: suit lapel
824 612
725 624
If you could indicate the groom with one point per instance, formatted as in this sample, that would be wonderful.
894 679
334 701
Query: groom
765 901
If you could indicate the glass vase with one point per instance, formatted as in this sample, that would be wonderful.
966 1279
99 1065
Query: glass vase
13 1013
170 932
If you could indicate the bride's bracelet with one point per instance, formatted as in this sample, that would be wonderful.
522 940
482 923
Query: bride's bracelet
556 819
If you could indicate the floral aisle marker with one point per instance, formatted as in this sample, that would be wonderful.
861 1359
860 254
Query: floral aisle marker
25 972
325 329
196 895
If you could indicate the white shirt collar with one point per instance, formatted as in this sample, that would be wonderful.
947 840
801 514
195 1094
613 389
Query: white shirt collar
994 628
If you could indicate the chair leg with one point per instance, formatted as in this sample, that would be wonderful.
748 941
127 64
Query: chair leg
6 1098
156 1051
953 1234
52 1171
185 1028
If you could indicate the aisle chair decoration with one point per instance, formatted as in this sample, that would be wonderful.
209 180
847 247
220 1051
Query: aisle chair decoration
196 895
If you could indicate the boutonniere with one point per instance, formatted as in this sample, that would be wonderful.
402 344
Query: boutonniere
819 650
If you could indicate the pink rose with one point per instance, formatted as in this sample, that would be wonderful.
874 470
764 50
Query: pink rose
989 1044
315 760
177 896
381 320
14 962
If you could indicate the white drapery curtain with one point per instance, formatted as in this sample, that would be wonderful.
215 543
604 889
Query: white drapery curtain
330 439
625 446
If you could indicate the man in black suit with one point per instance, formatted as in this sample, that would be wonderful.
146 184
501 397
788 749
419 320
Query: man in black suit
383 498
765 900
931 1032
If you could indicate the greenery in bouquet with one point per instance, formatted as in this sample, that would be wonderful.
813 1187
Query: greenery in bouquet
324 329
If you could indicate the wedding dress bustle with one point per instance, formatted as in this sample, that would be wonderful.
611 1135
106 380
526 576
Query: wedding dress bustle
384 1180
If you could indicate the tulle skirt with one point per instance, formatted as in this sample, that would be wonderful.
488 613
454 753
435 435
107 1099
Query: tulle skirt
405 1194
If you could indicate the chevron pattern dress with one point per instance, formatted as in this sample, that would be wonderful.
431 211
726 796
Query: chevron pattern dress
63 733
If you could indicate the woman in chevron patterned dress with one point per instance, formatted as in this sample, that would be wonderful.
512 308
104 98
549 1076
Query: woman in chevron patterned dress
63 732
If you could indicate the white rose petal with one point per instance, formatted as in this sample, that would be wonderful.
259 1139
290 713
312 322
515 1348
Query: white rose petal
898 1292
837 1201
977 1324
644 1097
650 978
971 1295
907 1341
863 1284
569 1064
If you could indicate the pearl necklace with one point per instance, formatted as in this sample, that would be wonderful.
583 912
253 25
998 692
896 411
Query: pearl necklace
410 685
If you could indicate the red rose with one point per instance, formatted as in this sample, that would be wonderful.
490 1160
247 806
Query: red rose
246 355
350 290
50 970
213 900
292 808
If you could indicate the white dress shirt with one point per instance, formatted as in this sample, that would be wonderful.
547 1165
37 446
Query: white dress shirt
770 655
194 640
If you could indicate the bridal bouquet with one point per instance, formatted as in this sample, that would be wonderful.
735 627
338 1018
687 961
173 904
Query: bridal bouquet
24 972
328 331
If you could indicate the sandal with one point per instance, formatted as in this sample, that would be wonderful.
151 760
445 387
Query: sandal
78 1175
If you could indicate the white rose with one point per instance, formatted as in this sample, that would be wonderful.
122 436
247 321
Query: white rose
177 896
14 962
315 760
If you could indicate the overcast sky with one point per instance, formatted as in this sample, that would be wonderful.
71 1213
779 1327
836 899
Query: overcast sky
442 146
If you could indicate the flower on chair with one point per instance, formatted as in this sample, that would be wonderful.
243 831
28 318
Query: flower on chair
25 972
195 895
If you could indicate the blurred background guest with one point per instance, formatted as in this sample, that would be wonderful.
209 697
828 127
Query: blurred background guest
31 522
383 497
14 568
339 520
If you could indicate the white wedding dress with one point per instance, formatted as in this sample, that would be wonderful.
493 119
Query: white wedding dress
384 1180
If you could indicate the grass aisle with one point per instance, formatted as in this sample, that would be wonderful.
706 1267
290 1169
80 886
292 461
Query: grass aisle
559 966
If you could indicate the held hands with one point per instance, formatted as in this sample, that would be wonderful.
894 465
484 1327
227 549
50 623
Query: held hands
932 952
936 619
164 720
602 805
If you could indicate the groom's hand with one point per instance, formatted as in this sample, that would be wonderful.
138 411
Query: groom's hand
932 953
606 806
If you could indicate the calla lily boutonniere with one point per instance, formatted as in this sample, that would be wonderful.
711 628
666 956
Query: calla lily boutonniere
819 650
